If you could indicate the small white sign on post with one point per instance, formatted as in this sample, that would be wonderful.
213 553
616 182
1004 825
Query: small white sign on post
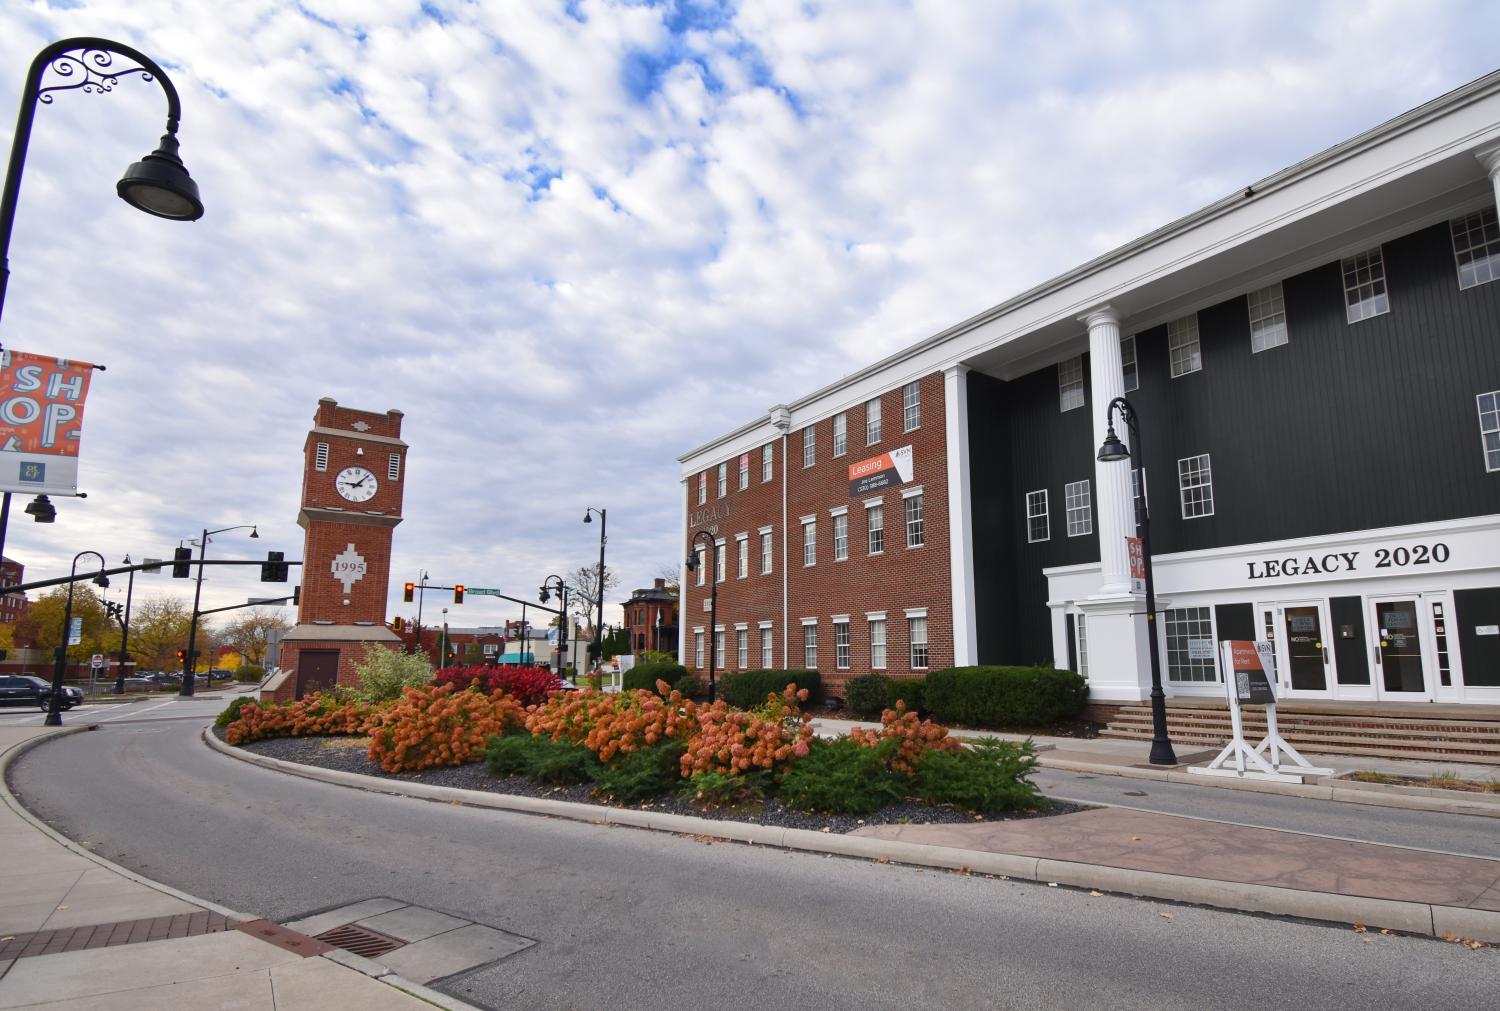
96 661
75 631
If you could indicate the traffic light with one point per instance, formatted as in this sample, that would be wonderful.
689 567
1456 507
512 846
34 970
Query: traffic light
398 624
297 594
408 590
274 568
182 656
180 559
458 594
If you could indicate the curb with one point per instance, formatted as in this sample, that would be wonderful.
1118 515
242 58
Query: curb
1410 917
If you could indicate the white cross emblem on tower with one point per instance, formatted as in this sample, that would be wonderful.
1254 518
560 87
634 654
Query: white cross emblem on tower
348 567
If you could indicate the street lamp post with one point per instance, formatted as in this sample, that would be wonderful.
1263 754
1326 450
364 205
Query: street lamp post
124 617
421 595
59 667
599 622
1114 451
713 601
555 583
191 662
157 184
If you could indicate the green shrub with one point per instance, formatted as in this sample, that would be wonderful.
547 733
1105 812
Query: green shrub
865 695
690 685
840 777
912 691
249 673
556 763
232 711
385 673
721 789
643 775
643 676
508 755
987 778
1004 697
748 689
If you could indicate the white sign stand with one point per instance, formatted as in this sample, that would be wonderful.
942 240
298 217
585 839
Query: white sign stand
1263 760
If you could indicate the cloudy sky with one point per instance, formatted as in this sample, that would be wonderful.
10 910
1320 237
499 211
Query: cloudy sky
571 240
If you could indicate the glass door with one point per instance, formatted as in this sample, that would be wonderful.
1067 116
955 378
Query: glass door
1304 655
1399 655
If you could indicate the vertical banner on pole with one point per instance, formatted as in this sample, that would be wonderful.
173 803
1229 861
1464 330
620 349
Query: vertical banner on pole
41 422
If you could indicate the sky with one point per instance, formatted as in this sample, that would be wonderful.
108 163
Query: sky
573 240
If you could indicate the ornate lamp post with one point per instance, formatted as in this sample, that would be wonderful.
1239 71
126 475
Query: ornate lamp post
190 664
59 666
1114 451
713 602
122 615
598 657
554 584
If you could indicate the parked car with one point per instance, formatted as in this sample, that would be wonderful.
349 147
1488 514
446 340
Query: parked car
28 689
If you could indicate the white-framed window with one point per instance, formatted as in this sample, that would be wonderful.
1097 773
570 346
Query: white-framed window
744 471
1489 429
809 542
916 630
1364 285
720 562
1128 367
840 434
1267 318
765 552
742 647
916 528
1190 644
841 644
719 649
877 644
1195 482
872 422
875 526
1038 522
841 537
1078 503
1476 247
1183 351
809 446
723 479
1081 634
393 467
911 407
810 646
767 458
1070 383
320 456
702 566
767 648
698 650
703 487
742 543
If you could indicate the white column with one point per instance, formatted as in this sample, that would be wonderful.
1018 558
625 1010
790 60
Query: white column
683 490
960 516
1114 503
1490 159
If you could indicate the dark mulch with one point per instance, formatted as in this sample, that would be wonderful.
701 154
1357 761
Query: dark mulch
348 754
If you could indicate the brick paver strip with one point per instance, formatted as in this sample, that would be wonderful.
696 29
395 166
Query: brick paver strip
101 935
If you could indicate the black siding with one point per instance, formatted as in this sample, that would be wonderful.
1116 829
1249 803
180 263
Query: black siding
1481 653
1352 652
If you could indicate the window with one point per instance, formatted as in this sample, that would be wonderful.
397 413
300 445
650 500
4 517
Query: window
703 487
698 649
1476 247
841 644
911 407
742 542
875 524
765 552
840 433
1079 506
809 445
718 649
1489 429
916 629
877 644
841 537
1127 364
1182 346
393 467
742 647
809 542
1080 632
744 471
702 566
810 647
872 422
916 533
1038 523
1195 479
1364 285
767 456
1070 383
767 648
719 562
1267 318
723 479
320 457
1189 631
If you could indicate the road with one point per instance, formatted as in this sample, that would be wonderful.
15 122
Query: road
628 919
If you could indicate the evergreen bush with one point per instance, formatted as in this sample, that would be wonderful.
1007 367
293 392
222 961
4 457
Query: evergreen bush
989 777
748 689
643 676
1004 697
840 776
640 776
865 695
911 691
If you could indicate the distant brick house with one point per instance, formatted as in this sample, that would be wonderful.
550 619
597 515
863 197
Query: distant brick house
651 619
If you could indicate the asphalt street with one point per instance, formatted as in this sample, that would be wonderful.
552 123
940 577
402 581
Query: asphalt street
632 919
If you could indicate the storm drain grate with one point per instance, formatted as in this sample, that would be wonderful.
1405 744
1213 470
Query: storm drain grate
360 940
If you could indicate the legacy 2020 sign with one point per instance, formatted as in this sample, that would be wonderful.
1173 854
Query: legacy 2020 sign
883 471
41 422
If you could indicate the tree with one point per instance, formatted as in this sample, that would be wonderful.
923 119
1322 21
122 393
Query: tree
41 625
585 582
252 633
670 574
159 628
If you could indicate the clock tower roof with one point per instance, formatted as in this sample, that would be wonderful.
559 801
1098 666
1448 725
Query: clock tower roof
331 419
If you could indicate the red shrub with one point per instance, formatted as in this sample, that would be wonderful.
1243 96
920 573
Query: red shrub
436 726
915 737
527 685
313 716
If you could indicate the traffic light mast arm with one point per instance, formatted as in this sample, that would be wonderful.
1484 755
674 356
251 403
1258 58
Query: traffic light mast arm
117 570
268 601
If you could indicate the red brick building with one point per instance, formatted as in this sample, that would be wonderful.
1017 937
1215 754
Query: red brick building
12 605
651 619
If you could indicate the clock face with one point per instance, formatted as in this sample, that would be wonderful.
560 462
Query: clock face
356 484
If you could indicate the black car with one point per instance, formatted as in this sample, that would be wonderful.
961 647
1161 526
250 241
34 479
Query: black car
28 689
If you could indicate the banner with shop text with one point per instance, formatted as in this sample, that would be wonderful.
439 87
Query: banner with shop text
41 422
883 471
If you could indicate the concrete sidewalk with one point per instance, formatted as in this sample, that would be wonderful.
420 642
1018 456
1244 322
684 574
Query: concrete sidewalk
77 932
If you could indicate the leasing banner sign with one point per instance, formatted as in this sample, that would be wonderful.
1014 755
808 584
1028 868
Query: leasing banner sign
883 471
41 422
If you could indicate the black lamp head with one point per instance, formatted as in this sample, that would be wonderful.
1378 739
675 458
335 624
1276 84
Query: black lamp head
542 597
254 534
692 562
158 184
588 517
101 580
42 510
1112 450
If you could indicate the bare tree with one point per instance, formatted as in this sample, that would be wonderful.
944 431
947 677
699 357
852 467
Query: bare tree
251 634
671 574
585 598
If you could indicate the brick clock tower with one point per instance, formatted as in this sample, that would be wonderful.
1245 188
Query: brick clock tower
353 470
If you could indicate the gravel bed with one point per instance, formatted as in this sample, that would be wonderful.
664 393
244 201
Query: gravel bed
347 754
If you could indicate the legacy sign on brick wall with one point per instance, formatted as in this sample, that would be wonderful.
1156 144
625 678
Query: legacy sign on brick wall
883 471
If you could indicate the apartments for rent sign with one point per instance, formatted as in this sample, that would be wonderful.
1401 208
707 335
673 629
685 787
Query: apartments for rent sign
41 422
883 471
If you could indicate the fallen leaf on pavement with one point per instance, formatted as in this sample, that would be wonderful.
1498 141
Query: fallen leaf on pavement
1388 933
1359 928
1135 838
1165 916
1096 893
